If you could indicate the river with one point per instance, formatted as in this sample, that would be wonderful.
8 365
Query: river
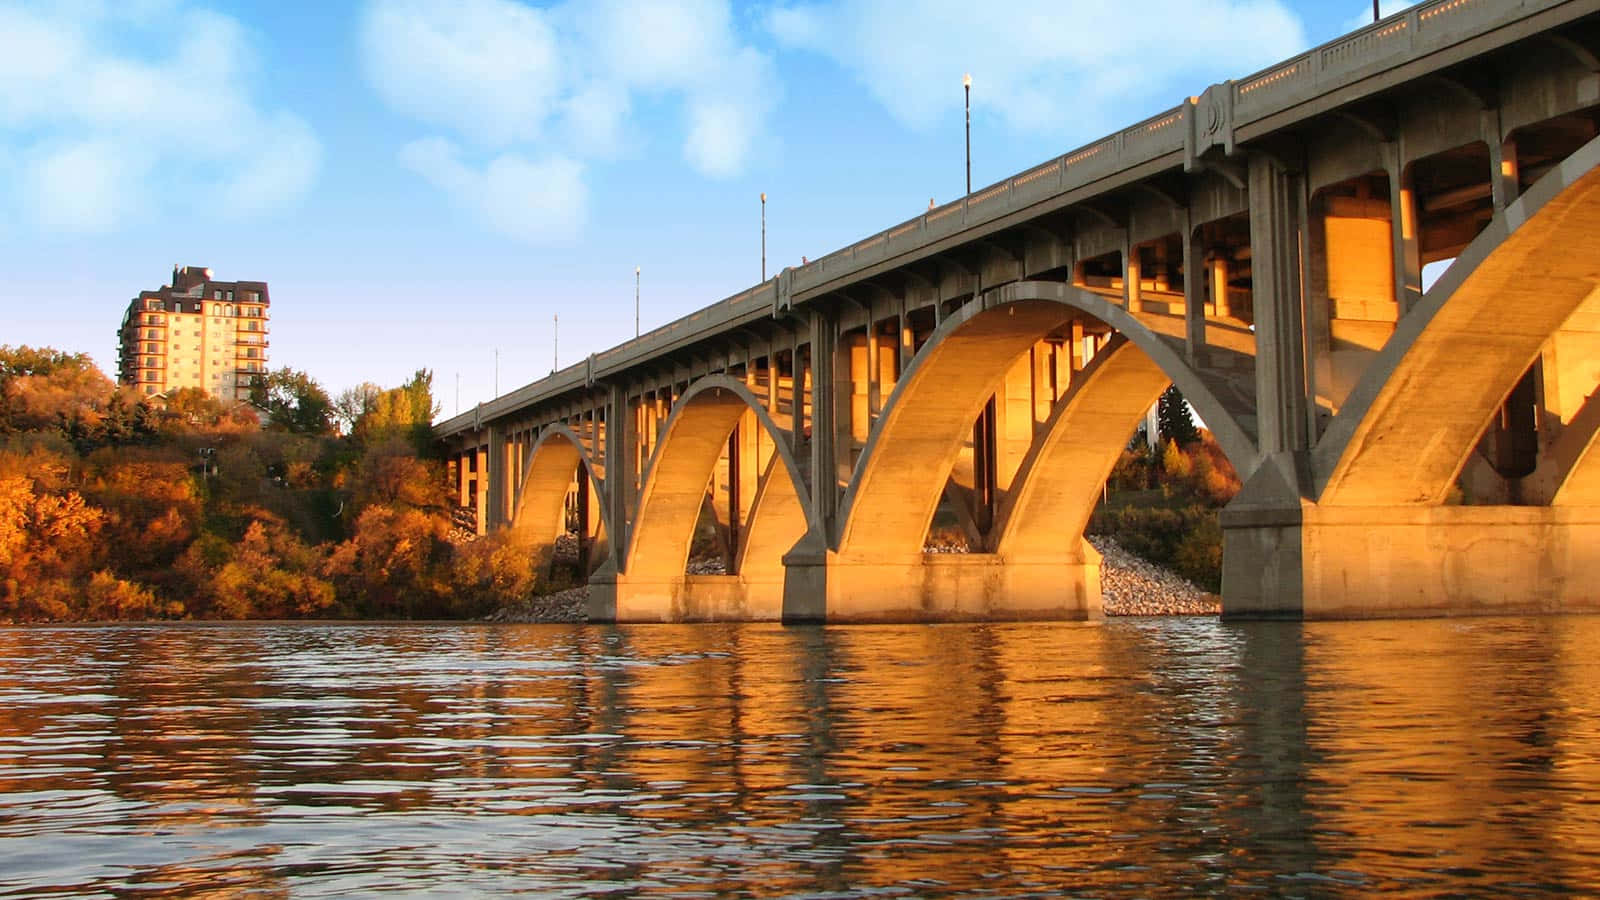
1136 757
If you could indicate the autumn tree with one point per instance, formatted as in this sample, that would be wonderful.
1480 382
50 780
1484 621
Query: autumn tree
293 401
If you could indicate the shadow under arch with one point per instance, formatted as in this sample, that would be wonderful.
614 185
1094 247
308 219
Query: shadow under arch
1414 417
651 584
912 448
539 511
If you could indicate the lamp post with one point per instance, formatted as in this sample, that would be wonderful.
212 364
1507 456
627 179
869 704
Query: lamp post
555 342
1374 10
497 371
966 88
635 301
763 236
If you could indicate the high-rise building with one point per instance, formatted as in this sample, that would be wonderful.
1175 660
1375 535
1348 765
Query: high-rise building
195 332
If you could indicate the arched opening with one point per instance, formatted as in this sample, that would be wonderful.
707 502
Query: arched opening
559 506
925 442
709 443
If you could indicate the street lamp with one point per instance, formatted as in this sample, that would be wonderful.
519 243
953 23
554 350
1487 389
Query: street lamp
1374 10
555 342
966 88
635 301
763 237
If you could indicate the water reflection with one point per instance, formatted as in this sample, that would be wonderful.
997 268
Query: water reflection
1137 757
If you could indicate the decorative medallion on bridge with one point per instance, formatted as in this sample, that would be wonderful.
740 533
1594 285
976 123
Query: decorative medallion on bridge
1210 118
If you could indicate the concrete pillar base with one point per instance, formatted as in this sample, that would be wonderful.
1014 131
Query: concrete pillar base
686 598
942 587
1394 562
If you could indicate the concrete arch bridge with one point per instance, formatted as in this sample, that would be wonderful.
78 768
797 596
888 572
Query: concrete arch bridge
980 367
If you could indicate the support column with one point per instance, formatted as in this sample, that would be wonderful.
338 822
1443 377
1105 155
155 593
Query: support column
481 485
1194 308
463 478
824 419
1263 570
1278 249
622 473
1403 219
494 484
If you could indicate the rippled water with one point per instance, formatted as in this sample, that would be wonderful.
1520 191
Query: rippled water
1155 757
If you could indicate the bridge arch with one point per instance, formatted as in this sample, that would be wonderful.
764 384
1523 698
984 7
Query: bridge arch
1059 482
1418 411
539 509
652 585
876 568
912 448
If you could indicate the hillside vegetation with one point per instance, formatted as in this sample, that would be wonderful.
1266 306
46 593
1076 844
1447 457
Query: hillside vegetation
112 508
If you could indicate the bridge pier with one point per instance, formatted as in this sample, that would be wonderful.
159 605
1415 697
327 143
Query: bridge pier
1317 562
941 587
620 597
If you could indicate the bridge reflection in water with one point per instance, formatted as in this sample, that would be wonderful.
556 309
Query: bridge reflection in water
1146 757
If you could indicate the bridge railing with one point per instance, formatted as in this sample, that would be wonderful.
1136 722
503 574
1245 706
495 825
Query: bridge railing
1420 28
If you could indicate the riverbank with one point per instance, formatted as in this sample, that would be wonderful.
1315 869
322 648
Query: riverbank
1130 586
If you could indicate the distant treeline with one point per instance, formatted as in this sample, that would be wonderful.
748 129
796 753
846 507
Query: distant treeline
294 505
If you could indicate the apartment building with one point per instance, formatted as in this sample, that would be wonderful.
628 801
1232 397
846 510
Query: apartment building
195 332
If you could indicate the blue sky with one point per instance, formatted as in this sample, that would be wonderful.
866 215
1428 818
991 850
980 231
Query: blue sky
422 183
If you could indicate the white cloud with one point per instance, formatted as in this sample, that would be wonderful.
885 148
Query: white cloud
1044 66
99 133
568 83
539 201
485 68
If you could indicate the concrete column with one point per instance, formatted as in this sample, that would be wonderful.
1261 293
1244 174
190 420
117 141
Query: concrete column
1505 178
497 483
622 474
1403 222
874 381
1219 287
482 487
824 417
1194 310
908 345
463 478
1131 276
1277 248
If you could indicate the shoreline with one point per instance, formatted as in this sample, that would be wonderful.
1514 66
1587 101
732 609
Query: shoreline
1130 586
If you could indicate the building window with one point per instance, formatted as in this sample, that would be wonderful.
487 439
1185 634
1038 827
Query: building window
149 390
230 296
215 295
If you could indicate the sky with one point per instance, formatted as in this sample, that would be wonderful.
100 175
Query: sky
429 183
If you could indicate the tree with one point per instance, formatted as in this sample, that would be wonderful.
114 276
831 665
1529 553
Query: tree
293 402
406 411
1173 419
44 389
354 404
